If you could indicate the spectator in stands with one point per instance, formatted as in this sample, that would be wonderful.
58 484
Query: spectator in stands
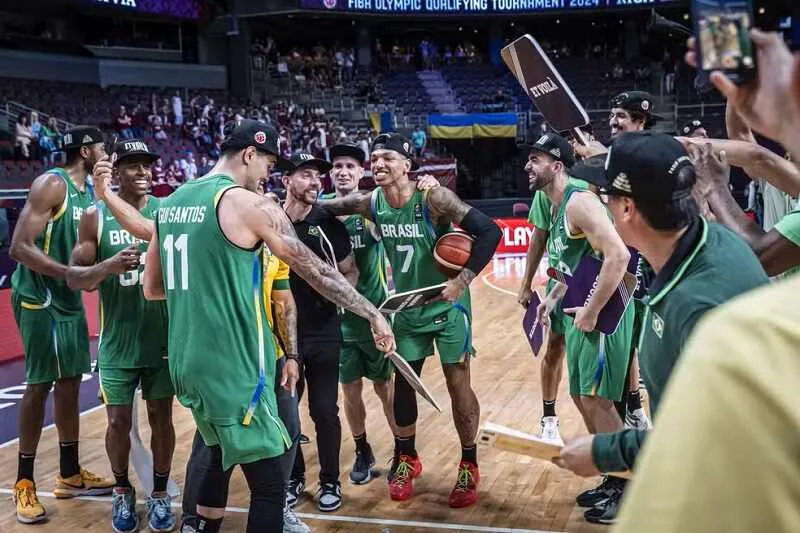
157 126
189 167
50 140
419 140
23 137
177 110
205 166
124 123
36 126
175 176
139 120
349 64
159 173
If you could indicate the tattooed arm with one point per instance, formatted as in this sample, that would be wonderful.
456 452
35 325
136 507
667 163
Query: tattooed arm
286 319
269 223
446 207
352 204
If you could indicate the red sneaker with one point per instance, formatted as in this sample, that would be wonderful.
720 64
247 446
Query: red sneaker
465 493
401 482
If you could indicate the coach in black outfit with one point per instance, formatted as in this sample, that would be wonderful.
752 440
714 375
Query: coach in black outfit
318 320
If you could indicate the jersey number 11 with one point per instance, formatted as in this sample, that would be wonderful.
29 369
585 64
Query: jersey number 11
181 245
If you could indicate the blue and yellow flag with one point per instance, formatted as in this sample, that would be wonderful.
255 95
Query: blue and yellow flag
472 125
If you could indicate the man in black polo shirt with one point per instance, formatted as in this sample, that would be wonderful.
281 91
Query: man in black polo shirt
698 265
318 325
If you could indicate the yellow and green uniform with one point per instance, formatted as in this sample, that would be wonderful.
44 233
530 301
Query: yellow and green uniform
597 363
540 216
133 331
789 227
221 349
408 238
49 314
359 358
276 278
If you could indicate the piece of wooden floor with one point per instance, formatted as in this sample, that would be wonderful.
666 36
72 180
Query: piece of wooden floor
515 491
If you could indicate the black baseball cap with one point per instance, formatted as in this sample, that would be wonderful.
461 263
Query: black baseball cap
257 134
396 143
347 150
304 159
640 102
642 165
556 147
133 147
692 126
82 136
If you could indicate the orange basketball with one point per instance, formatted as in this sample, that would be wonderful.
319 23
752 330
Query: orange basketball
452 252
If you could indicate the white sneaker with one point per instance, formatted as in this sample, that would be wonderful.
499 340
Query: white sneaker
550 430
292 524
637 419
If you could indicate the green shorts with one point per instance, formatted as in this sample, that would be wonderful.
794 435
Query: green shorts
363 360
117 385
596 372
264 438
54 349
451 331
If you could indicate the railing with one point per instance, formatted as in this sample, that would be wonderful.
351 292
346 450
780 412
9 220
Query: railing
15 109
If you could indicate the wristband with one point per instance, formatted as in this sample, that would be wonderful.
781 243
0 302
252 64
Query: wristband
292 357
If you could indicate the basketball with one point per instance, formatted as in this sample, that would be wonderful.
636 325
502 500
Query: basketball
452 252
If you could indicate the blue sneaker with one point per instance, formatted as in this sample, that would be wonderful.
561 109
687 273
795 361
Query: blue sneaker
160 517
123 514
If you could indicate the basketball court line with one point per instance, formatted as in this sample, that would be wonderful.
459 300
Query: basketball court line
485 279
337 518
16 440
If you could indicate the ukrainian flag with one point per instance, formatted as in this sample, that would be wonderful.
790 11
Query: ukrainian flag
472 125
382 122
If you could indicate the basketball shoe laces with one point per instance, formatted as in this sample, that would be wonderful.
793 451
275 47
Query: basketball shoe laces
88 476
464 479
123 509
403 472
161 507
27 497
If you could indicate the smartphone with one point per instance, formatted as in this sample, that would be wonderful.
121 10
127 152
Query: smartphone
722 33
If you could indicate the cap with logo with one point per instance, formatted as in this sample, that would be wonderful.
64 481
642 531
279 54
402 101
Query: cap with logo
636 102
133 148
396 143
692 126
82 136
556 147
347 150
257 134
304 159
642 165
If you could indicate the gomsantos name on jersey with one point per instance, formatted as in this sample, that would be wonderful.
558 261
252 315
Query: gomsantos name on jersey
37 291
133 331
221 348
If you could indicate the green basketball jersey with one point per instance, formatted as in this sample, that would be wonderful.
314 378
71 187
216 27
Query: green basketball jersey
221 349
564 251
409 237
57 240
368 254
133 331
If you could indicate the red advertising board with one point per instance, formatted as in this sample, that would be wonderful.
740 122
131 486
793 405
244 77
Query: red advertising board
516 235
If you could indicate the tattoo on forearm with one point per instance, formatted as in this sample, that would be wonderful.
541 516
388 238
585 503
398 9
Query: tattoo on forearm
286 320
447 205
349 205
466 276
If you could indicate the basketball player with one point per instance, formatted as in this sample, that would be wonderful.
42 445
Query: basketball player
553 361
51 320
220 361
597 364
133 339
410 221
649 178
358 357
281 314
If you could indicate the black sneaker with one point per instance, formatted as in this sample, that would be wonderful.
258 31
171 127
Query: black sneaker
294 491
597 495
330 497
362 467
303 439
606 512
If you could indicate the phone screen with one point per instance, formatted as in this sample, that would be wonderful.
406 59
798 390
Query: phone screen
722 30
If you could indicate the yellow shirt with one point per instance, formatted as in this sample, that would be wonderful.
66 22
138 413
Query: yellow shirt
276 277
725 453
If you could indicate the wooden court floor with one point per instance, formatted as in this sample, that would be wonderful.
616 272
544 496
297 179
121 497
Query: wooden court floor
517 494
